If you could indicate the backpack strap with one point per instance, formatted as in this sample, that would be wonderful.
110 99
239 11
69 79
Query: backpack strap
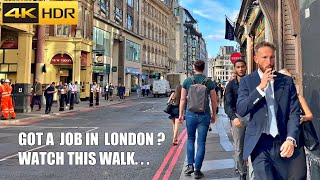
193 80
204 82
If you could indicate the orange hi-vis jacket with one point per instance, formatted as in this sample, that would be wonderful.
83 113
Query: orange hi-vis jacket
6 101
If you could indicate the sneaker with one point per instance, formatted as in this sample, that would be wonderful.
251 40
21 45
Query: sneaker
198 174
189 170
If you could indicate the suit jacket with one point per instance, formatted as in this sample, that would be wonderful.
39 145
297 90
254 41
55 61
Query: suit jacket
286 109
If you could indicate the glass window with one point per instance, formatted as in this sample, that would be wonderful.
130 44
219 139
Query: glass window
130 2
106 42
101 41
62 30
132 51
129 22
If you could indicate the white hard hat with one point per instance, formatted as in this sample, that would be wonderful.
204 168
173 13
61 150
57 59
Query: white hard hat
7 81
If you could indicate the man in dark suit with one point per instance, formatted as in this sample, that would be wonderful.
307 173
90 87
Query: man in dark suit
271 99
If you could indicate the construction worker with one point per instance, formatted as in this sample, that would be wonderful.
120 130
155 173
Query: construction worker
2 82
6 101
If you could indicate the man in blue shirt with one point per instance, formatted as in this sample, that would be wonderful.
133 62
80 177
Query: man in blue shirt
49 96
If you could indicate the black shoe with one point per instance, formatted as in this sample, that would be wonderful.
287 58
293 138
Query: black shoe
198 174
189 170
4 118
210 129
13 117
46 112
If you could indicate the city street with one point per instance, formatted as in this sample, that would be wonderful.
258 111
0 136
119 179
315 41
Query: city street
131 116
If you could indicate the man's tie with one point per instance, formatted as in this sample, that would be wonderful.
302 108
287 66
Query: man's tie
273 130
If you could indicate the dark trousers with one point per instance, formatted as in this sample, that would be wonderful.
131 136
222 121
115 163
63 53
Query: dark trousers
62 100
97 98
143 92
68 97
106 95
148 91
49 102
34 99
91 99
72 96
266 160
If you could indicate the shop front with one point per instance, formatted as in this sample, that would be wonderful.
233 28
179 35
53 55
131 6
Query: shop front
133 76
69 59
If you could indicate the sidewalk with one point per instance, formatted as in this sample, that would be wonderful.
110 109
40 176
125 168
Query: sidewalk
82 106
218 163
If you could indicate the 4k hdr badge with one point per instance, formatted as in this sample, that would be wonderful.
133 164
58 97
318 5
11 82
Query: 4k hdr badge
44 12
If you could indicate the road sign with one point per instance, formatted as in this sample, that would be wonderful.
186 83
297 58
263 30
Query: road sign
235 56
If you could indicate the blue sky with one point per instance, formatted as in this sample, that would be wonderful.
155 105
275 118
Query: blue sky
210 15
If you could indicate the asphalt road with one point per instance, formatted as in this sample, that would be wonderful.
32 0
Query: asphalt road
141 117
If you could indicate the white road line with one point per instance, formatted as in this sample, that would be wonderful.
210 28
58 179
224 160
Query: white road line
147 110
9 157
92 129
53 127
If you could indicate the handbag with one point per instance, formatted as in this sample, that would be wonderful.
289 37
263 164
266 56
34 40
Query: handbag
168 110
310 137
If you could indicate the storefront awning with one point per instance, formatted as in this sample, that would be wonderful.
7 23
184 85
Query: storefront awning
130 70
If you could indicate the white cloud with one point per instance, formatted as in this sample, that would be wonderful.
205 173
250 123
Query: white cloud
214 10
215 37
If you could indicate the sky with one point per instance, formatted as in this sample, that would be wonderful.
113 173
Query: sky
210 15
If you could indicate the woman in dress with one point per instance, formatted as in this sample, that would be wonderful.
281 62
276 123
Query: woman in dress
174 115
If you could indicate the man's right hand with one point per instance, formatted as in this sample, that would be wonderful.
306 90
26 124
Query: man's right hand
237 123
267 76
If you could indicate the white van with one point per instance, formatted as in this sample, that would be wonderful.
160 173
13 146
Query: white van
161 87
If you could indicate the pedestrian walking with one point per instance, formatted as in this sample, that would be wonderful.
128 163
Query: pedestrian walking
92 92
147 89
106 92
69 92
49 97
297 166
174 99
98 93
143 90
77 94
121 91
197 115
73 96
59 87
111 89
36 94
138 90
6 101
271 99
63 96
238 124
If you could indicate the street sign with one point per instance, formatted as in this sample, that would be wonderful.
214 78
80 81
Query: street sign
235 56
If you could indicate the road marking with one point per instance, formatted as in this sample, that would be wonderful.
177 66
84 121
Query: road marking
147 110
9 157
175 158
92 129
52 127
168 156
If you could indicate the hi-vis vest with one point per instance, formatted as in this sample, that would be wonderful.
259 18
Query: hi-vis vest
5 90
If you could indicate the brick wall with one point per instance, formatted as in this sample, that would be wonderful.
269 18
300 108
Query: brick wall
289 41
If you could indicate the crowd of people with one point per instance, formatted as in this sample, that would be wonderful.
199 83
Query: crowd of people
265 112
